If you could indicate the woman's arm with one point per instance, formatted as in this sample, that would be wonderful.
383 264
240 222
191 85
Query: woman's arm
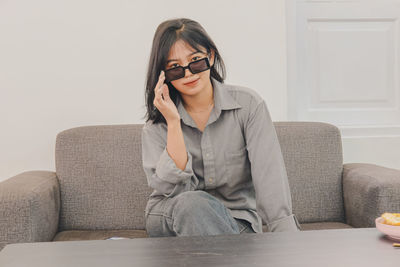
175 144
166 163
161 170
273 198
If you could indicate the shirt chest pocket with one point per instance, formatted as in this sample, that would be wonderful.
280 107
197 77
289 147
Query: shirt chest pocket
237 167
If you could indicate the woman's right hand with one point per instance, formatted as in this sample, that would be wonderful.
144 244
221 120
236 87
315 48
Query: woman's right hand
163 102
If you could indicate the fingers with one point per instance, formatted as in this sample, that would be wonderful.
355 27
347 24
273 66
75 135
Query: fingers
159 83
161 79
165 92
157 94
158 90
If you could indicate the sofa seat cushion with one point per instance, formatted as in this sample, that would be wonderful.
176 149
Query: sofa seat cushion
318 226
77 235
323 226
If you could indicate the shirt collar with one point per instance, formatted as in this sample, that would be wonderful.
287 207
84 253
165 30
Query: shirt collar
222 101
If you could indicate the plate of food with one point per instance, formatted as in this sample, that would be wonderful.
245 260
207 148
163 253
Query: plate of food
389 224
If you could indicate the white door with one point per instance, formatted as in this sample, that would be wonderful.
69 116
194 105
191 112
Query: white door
343 68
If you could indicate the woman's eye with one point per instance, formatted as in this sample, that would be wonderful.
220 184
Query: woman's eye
176 65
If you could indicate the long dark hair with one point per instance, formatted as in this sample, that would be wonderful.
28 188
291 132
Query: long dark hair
167 33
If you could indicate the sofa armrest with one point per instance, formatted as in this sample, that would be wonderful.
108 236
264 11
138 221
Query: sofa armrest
369 190
29 207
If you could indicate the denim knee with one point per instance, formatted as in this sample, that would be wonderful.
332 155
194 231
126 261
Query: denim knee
191 213
194 203
198 211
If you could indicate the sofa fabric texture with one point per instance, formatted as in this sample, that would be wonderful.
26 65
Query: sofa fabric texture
102 182
103 185
29 207
370 190
314 163
99 189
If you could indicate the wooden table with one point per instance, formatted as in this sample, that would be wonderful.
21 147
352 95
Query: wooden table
345 247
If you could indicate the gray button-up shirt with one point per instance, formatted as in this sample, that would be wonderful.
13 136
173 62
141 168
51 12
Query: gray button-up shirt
237 159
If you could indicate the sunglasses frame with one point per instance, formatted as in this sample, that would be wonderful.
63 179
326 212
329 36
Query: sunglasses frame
188 67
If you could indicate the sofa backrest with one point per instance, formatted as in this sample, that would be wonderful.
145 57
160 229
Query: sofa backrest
103 185
313 156
102 182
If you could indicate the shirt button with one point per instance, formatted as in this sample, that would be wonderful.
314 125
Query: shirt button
210 180
207 155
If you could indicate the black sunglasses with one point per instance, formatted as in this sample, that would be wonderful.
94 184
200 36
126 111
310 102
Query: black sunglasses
194 67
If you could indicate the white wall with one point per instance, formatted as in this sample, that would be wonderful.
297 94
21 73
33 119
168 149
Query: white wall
70 63
65 64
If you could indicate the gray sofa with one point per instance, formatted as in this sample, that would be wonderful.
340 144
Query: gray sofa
99 188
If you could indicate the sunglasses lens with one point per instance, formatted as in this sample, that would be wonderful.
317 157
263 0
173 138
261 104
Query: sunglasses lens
199 66
174 74
179 72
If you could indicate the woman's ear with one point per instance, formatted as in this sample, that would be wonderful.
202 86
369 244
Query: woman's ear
212 57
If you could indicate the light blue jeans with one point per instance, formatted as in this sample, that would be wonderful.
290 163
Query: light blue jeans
193 213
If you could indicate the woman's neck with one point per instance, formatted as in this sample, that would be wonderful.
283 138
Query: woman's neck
201 101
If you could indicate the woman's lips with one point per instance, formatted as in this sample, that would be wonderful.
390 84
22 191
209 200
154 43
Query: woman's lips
192 83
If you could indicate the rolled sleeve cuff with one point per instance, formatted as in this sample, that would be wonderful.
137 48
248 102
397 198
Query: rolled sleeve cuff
185 186
286 224
167 170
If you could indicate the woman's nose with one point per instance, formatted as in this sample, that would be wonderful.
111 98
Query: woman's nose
188 72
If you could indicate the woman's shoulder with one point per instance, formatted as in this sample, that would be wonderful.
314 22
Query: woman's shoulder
243 95
151 126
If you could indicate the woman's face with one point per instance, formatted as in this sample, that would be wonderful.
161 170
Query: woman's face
181 54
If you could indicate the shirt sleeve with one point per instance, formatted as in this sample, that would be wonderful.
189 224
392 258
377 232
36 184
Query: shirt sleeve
273 198
161 171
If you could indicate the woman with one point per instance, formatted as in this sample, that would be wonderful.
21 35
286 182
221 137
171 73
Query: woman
209 150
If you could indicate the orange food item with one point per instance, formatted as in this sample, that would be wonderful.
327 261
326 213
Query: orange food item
391 218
